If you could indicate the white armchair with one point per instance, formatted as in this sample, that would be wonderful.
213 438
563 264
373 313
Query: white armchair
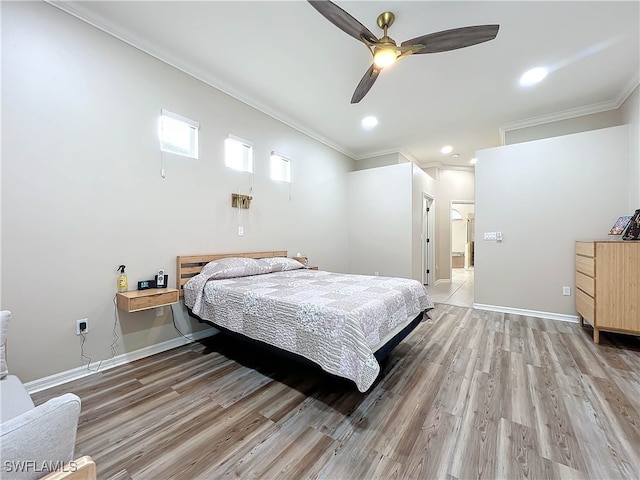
36 441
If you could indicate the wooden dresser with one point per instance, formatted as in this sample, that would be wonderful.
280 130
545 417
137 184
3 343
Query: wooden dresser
608 286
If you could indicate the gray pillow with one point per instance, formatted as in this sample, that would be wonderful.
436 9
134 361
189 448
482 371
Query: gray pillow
234 267
282 264
5 316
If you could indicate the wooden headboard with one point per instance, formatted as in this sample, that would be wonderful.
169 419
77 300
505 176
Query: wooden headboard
190 265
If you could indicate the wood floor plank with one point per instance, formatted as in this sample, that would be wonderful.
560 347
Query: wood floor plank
518 455
555 434
432 452
602 460
469 394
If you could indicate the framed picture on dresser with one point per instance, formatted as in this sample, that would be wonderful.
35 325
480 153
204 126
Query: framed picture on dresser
632 232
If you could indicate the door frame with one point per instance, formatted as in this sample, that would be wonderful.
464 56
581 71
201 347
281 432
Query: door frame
428 232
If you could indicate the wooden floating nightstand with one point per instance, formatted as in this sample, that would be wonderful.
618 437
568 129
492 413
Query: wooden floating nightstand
311 267
138 300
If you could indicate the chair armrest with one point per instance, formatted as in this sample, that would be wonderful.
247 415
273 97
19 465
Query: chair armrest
40 440
83 468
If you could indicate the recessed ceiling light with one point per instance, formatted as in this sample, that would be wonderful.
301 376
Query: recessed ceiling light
446 149
473 161
369 122
533 76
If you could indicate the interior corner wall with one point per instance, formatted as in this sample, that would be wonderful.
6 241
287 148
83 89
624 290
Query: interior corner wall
543 196
82 191
630 111
453 185
380 221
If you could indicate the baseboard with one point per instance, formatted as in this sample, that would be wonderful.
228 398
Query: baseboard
81 372
529 313
441 280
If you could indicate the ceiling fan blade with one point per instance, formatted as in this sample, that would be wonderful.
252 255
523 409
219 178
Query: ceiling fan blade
343 20
453 39
365 84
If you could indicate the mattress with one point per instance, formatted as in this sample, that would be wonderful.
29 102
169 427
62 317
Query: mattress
335 320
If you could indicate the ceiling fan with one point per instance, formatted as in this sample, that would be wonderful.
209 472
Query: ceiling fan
385 51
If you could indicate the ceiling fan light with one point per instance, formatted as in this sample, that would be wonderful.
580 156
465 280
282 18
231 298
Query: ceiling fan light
383 57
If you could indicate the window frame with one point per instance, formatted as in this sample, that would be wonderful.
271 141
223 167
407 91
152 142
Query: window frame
190 151
283 160
247 160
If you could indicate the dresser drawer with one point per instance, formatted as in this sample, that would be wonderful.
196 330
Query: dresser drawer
585 305
586 284
585 248
586 265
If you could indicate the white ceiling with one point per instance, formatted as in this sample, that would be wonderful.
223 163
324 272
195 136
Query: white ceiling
287 60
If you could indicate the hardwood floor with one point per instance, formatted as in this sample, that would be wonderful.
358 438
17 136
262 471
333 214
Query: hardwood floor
469 394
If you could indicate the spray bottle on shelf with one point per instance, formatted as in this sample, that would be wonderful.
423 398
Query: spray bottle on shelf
122 279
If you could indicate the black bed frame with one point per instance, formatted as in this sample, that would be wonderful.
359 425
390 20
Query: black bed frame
380 354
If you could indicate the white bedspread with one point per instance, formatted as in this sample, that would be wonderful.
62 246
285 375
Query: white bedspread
335 320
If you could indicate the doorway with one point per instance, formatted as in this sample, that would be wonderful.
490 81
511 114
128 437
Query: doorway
462 234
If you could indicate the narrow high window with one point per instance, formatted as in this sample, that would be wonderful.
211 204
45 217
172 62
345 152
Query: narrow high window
238 154
280 168
178 134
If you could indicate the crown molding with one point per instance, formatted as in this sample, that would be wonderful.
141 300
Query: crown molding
573 112
377 153
460 168
558 116
432 165
194 72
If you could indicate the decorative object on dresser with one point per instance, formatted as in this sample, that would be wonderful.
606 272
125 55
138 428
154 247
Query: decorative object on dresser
620 225
632 232
608 286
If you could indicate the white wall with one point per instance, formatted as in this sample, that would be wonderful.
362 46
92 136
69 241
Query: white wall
630 111
544 195
380 221
378 161
82 191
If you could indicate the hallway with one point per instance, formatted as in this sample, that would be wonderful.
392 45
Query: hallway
459 292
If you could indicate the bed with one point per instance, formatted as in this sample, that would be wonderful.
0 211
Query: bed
345 324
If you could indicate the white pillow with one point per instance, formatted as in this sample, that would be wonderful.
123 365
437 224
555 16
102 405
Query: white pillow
5 317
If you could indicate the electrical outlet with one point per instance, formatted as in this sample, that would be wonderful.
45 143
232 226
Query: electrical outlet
566 291
82 326
240 231
376 273
159 311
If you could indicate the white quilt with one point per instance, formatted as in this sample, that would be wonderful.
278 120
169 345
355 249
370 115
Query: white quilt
335 320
